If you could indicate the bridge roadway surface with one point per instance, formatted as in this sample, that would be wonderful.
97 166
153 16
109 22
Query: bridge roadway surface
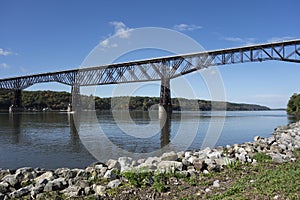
163 68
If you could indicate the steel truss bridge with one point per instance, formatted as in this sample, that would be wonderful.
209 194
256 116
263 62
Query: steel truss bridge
163 69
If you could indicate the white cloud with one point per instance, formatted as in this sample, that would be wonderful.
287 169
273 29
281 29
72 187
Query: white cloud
4 66
4 52
121 31
186 27
278 39
243 41
106 43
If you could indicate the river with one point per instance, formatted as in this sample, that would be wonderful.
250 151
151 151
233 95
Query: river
50 139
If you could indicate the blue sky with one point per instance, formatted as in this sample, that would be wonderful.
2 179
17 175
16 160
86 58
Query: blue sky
42 36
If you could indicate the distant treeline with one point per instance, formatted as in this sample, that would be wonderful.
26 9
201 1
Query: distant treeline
38 100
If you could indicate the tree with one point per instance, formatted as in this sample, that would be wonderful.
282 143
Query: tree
293 106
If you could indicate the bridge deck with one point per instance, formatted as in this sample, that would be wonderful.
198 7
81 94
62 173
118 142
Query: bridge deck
159 68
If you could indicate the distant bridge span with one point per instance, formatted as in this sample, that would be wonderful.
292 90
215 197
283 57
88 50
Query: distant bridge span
163 68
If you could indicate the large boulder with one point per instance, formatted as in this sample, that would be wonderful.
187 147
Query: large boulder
167 166
169 156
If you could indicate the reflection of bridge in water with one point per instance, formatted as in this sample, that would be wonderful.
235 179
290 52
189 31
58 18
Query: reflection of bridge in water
24 130
163 69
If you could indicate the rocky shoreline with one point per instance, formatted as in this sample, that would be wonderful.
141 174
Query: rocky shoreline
97 179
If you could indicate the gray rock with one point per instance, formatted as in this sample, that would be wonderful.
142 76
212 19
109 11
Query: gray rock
87 190
25 174
99 190
285 137
4 187
257 138
276 158
72 191
56 184
242 156
49 175
282 146
271 140
249 149
88 169
203 153
35 191
152 160
141 160
180 154
207 190
20 177
2 196
185 162
113 164
125 163
290 147
192 159
220 162
146 167
21 192
241 150
114 183
134 164
101 172
209 164
169 156
216 183
11 180
198 165
82 183
214 155
187 154
169 165
99 166
24 170
41 182
275 149
61 172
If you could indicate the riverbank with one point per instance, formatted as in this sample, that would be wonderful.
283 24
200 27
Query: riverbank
250 169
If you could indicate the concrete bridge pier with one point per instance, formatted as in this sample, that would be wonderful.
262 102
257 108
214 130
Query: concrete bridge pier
17 101
165 105
75 99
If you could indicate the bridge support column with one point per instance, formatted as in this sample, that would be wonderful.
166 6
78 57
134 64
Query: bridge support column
75 99
165 105
16 102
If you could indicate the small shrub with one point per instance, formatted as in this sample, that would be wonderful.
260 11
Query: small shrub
261 157
236 165
137 179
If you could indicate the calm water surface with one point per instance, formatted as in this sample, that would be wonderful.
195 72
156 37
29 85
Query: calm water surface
50 139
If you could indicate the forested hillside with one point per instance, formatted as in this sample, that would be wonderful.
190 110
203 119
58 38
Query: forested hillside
38 100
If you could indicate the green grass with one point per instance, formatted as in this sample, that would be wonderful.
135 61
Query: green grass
266 180
138 179
261 157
